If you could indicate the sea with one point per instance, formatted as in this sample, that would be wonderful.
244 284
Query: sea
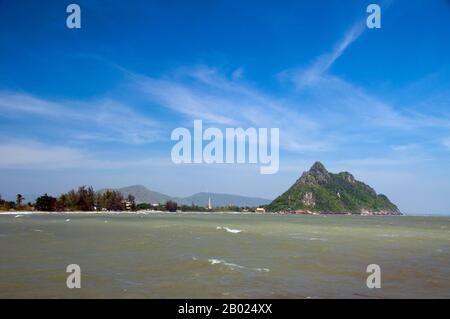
223 255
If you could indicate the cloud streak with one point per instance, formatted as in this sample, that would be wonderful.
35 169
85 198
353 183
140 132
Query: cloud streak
204 93
99 120
314 73
34 155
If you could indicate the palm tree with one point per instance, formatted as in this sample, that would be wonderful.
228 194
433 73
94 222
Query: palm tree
19 199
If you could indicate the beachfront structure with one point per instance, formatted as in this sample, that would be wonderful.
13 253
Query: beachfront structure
209 203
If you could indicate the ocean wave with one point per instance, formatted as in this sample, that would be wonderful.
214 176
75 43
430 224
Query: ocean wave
214 261
262 269
310 238
15 213
233 266
388 235
230 230
319 239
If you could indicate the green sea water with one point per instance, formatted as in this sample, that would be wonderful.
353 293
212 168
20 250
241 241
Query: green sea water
223 256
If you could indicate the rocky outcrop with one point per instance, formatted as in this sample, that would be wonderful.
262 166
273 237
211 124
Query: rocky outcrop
319 191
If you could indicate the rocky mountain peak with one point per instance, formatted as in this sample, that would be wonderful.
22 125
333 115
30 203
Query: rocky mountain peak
318 190
317 174
318 167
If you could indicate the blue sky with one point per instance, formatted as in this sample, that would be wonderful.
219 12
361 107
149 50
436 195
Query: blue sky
97 105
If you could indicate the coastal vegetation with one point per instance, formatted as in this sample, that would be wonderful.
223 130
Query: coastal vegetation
6 205
82 199
86 199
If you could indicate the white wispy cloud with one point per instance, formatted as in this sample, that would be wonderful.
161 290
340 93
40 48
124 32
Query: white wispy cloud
405 147
321 65
205 93
315 72
101 120
382 161
18 103
35 155
30 154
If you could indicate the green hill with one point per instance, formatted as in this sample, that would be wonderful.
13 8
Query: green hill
318 190
142 194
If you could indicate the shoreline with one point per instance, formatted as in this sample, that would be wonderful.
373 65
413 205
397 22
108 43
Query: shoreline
145 212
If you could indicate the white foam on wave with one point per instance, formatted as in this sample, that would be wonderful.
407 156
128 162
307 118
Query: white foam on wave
68 220
388 235
18 214
214 261
230 230
15 213
310 238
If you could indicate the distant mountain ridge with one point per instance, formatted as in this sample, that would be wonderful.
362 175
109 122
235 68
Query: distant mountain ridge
318 190
219 199
143 195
